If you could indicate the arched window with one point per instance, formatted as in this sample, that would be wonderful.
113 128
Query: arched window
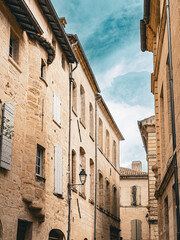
83 166
73 167
74 97
107 144
91 179
136 229
100 190
56 234
114 203
114 153
100 134
107 203
82 102
91 120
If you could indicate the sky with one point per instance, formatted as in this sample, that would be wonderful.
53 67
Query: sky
109 31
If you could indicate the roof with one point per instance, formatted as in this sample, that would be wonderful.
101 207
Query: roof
130 173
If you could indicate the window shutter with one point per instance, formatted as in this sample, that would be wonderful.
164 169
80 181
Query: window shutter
56 109
58 170
6 136
133 230
139 236
138 195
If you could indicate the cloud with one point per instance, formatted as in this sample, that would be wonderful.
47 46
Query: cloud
126 117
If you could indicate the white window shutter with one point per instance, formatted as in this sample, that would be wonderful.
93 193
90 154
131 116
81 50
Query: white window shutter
6 136
58 170
56 109
138 196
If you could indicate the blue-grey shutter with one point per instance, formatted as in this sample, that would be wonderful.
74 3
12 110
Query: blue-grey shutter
139 230
56 109
6 136
133 230
58 170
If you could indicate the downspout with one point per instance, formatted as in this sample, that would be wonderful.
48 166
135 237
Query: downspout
97 98
69 149
173 118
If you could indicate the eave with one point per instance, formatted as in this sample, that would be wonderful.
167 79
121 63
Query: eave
58 29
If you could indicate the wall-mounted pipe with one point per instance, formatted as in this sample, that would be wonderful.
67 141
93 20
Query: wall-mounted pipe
97 99
71 80
173 118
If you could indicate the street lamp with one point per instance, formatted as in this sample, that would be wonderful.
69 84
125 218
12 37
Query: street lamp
82 177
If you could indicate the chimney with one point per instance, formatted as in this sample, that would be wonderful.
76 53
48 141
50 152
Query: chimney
137 166
63 21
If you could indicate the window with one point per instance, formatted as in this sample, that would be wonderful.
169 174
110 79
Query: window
136 229
91 179
73 167
63 61
107 203
82 105
39 160
107 144
162 124
83 166
168 99
43 69
1 231
74 97
91 120
100 190
56 234
14 47
135 195
24 230
56 109
114 203
114 153
100 134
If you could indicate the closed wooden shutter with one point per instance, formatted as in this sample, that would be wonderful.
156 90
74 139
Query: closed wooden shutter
56 109
133 230
138 229
6 136
58 170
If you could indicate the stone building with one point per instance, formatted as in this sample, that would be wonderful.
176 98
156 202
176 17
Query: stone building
148 134
133 202
44 142
160 35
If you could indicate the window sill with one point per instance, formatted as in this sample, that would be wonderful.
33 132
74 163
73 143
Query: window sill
11 60
58 195
82 195
74 111
40 178
59 125
44 81
82 123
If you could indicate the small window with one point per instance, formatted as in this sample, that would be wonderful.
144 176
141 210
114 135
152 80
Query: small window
136 196
24 230
39 160
56 109
14 47
43 69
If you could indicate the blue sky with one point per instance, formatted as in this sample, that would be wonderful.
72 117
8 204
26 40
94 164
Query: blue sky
110 35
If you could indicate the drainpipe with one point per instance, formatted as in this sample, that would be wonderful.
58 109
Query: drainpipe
97 99
173 118
69 149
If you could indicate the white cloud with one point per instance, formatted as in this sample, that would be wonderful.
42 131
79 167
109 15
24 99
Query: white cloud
126 117
139 63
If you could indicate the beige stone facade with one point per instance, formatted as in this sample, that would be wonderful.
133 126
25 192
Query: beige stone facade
133 203
148 134
35 64
155 36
